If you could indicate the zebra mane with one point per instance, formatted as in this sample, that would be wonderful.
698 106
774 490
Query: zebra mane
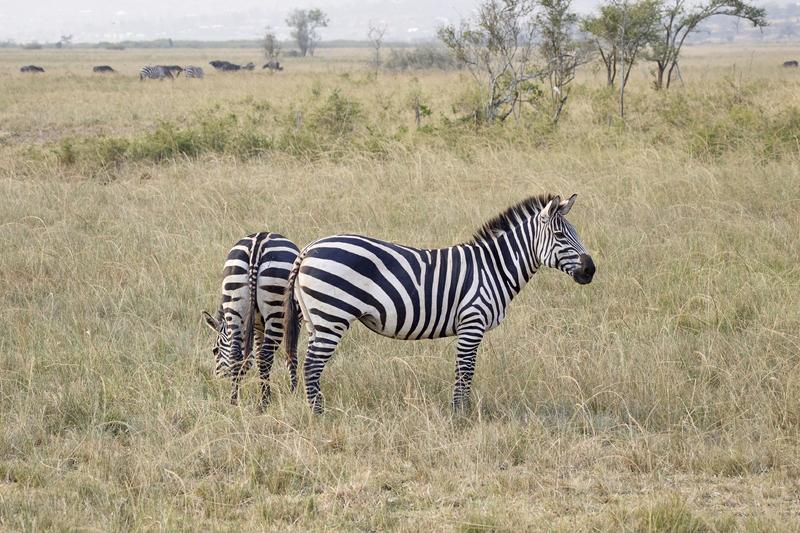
511 217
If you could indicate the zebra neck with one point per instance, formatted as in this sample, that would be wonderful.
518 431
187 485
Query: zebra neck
508 261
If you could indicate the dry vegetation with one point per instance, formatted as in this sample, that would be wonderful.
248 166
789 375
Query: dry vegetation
665 396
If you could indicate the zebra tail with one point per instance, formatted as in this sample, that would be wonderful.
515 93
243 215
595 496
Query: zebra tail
252 286
291 322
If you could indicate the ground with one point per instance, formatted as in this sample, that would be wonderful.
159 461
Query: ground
664 396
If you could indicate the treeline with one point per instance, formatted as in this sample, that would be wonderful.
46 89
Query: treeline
174 43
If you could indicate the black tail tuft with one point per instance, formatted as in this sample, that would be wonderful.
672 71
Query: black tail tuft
291 323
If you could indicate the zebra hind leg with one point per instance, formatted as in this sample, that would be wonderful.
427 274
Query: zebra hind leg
266 356
321 346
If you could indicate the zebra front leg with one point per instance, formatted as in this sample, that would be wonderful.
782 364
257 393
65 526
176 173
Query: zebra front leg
469 338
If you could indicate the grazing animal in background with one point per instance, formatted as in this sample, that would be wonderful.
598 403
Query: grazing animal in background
227 66
407 293
102 69
273 64
219 64
175 70
31 68
193 72
249 321
154 72
791 64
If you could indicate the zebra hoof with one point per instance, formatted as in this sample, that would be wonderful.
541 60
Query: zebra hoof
318 404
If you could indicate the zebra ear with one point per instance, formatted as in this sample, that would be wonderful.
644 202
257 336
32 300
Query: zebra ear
566 205
212 322
549 210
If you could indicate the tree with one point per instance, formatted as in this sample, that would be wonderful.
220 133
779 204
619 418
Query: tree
679 20
64 42
621 31
375 35
560 49
305 24
496 47
272 48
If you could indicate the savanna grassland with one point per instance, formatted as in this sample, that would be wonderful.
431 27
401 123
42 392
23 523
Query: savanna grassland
664 396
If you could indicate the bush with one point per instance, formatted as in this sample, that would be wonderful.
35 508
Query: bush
422 57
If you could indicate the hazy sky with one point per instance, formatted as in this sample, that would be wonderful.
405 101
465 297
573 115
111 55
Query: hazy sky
113 20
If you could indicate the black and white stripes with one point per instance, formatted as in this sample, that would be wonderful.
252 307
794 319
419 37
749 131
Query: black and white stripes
192 71
408 293
249 321
154 72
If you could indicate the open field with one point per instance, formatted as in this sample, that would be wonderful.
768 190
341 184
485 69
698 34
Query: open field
664 396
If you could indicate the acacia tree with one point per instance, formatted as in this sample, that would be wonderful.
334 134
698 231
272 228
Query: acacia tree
621 31
375 35
496 47
678 21
305 24
560 49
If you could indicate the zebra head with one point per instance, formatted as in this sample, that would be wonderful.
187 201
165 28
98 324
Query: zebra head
557 243
222 345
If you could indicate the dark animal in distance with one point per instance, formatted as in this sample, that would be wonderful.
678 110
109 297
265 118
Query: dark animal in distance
175 70
227 66
31 68
273 65
791 64
102 69
249 321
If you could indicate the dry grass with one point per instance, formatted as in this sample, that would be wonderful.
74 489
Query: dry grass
664 396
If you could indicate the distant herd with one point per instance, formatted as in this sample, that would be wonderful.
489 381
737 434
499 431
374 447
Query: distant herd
161 72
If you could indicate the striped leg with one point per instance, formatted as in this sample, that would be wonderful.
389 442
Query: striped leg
470 336
266 354
321 345
238 370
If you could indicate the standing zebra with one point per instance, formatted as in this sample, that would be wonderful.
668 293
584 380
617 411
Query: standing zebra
406 293
251 312
193 72
154 72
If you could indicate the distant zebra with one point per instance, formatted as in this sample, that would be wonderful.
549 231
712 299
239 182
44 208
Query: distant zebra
156 72
31 68
193 72
102 69
250 316
407 293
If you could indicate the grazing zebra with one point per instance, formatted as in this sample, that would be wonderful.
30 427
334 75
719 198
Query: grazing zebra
251 312
406 293
156 72
193 72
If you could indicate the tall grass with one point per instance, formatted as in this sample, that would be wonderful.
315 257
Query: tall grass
662 397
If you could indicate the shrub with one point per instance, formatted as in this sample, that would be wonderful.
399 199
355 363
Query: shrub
422 57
